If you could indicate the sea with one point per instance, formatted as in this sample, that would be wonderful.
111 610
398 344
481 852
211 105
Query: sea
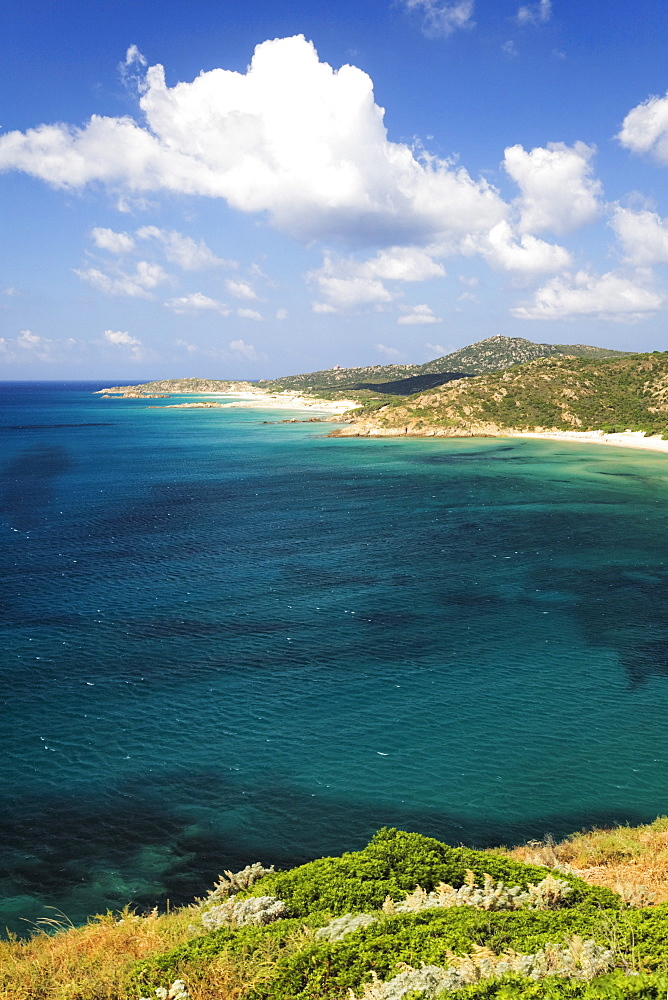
227 638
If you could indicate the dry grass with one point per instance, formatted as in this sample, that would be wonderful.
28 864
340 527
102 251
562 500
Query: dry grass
624 858
93 962
90 962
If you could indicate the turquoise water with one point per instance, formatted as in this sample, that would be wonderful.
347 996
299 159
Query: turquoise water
226 640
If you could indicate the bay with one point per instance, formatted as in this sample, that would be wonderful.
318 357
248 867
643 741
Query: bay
226 640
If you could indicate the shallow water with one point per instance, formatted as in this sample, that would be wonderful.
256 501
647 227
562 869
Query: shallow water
226 640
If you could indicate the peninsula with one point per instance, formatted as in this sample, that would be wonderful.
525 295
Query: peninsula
501 386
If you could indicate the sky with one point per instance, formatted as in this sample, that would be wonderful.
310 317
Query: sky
248 189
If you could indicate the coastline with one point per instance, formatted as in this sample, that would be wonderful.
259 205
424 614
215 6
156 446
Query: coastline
245 400
624 439
281 401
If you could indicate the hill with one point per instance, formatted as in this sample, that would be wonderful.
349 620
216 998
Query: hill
182 385
374 381
405 918
622 392
490 355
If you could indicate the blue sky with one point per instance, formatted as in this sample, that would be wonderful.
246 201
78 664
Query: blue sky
248 189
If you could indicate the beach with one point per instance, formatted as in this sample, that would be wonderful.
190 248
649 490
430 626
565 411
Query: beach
280 401
624 439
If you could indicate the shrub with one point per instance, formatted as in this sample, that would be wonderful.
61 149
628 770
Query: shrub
396 862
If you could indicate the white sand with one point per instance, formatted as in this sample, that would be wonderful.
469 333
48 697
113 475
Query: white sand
625 439
285 401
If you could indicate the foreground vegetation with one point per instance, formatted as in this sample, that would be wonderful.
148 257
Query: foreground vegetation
568 920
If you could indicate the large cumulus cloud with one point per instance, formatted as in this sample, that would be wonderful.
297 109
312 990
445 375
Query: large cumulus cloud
291 137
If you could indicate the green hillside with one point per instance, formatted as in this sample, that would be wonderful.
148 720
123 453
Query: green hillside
182 385
496 353
615 393
490 355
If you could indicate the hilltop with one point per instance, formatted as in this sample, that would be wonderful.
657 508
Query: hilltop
490 355
616 393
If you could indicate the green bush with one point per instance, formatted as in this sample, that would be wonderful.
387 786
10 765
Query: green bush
396 862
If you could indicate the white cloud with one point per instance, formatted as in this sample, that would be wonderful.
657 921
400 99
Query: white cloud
442 18
525 256
281 314
37 348
11 292
138 285
196 302
390 352
559 193
28 339
121 338
645 129
347 283
249 314
247 351
107 239
417 316
609 296
240 289
291 137
510 49
191 348
643 236
436 350
184 251
535 13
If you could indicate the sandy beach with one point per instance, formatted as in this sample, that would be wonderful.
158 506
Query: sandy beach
274 401
625 439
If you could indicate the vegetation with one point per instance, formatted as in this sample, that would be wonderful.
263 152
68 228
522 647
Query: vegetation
345 938
490 355
378 382
182 385
554 393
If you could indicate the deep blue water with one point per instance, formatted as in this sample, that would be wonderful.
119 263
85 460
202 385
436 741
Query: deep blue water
227 641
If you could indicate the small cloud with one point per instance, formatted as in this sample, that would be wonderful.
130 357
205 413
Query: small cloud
249 314
11 292
184 251
245 350
645 129
281 314
240 289
107 239
121 337
28 339
417 316
186 346
196 302
442 18
436 350
391 352
535 13
510 48
138 285
131 70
